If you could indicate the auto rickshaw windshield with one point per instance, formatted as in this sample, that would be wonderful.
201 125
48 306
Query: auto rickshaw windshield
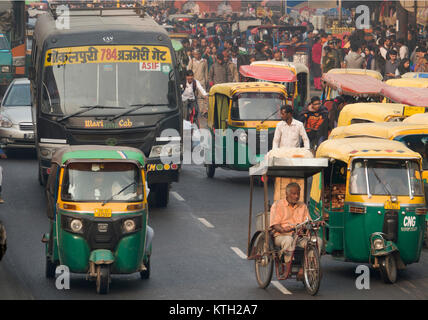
417 143
118 182
385 177
257 106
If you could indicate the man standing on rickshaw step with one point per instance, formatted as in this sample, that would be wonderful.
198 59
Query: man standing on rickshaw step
188 96
284 215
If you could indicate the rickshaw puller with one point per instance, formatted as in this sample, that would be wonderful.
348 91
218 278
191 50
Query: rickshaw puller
286 213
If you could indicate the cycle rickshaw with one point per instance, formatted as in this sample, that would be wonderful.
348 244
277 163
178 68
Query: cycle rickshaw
261 246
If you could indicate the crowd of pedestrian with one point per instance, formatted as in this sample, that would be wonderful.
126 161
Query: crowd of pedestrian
215 53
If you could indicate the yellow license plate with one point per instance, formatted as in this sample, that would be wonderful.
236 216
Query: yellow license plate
392 205
102 213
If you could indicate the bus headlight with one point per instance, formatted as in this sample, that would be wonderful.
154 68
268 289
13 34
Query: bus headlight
165 150
76 225
5 69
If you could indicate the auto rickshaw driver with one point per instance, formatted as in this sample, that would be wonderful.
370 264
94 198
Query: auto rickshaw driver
285 214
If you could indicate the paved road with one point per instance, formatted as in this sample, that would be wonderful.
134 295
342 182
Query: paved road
197 249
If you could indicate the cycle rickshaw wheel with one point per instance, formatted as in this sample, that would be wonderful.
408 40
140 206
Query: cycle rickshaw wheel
311 270
265 261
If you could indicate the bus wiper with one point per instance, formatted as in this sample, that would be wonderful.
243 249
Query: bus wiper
86 109
136 107
269 116
123 189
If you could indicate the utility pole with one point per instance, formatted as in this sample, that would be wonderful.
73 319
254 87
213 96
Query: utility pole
340 12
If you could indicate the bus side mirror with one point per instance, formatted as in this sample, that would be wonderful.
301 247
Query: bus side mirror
31 73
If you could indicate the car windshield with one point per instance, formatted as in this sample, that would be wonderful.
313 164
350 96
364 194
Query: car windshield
18 96
257 106
101 182
386 177
417 143
111 80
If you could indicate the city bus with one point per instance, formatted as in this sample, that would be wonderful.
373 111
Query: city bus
108 78
12 41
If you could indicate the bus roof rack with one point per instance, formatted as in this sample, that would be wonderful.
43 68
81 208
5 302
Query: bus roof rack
97 8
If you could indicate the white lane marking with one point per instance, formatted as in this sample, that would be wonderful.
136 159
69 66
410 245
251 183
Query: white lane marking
177 196
280 287
401 288
205 223
239 252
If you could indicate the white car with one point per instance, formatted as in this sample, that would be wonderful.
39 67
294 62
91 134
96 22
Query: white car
16 123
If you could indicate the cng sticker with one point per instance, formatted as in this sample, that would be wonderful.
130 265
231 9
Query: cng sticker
409 224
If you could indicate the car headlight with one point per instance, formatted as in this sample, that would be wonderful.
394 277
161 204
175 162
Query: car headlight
5 122
76 225
129 225
5 69
243 137
378 244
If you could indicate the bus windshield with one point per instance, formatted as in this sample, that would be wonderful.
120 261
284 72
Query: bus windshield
393 177
69 85
257 106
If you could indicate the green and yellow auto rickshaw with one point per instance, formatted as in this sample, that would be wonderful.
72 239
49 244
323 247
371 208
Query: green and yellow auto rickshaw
412 135
97 207
242 117
372 199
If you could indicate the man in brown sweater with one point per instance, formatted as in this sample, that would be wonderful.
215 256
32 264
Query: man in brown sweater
199 66
219 72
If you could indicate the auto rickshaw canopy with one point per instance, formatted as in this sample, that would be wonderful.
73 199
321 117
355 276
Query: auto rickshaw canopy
385 130
406 95
268 73
346 148
354 82
369 112
422 75
296 67
408 82
228 90
419 118
97 152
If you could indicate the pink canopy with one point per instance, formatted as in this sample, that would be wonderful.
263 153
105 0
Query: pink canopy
407 95
274 74
354 84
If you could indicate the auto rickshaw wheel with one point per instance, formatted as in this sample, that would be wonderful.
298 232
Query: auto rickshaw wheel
264 262
388 268
50 268
145 274
210 169
103 278
311 270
